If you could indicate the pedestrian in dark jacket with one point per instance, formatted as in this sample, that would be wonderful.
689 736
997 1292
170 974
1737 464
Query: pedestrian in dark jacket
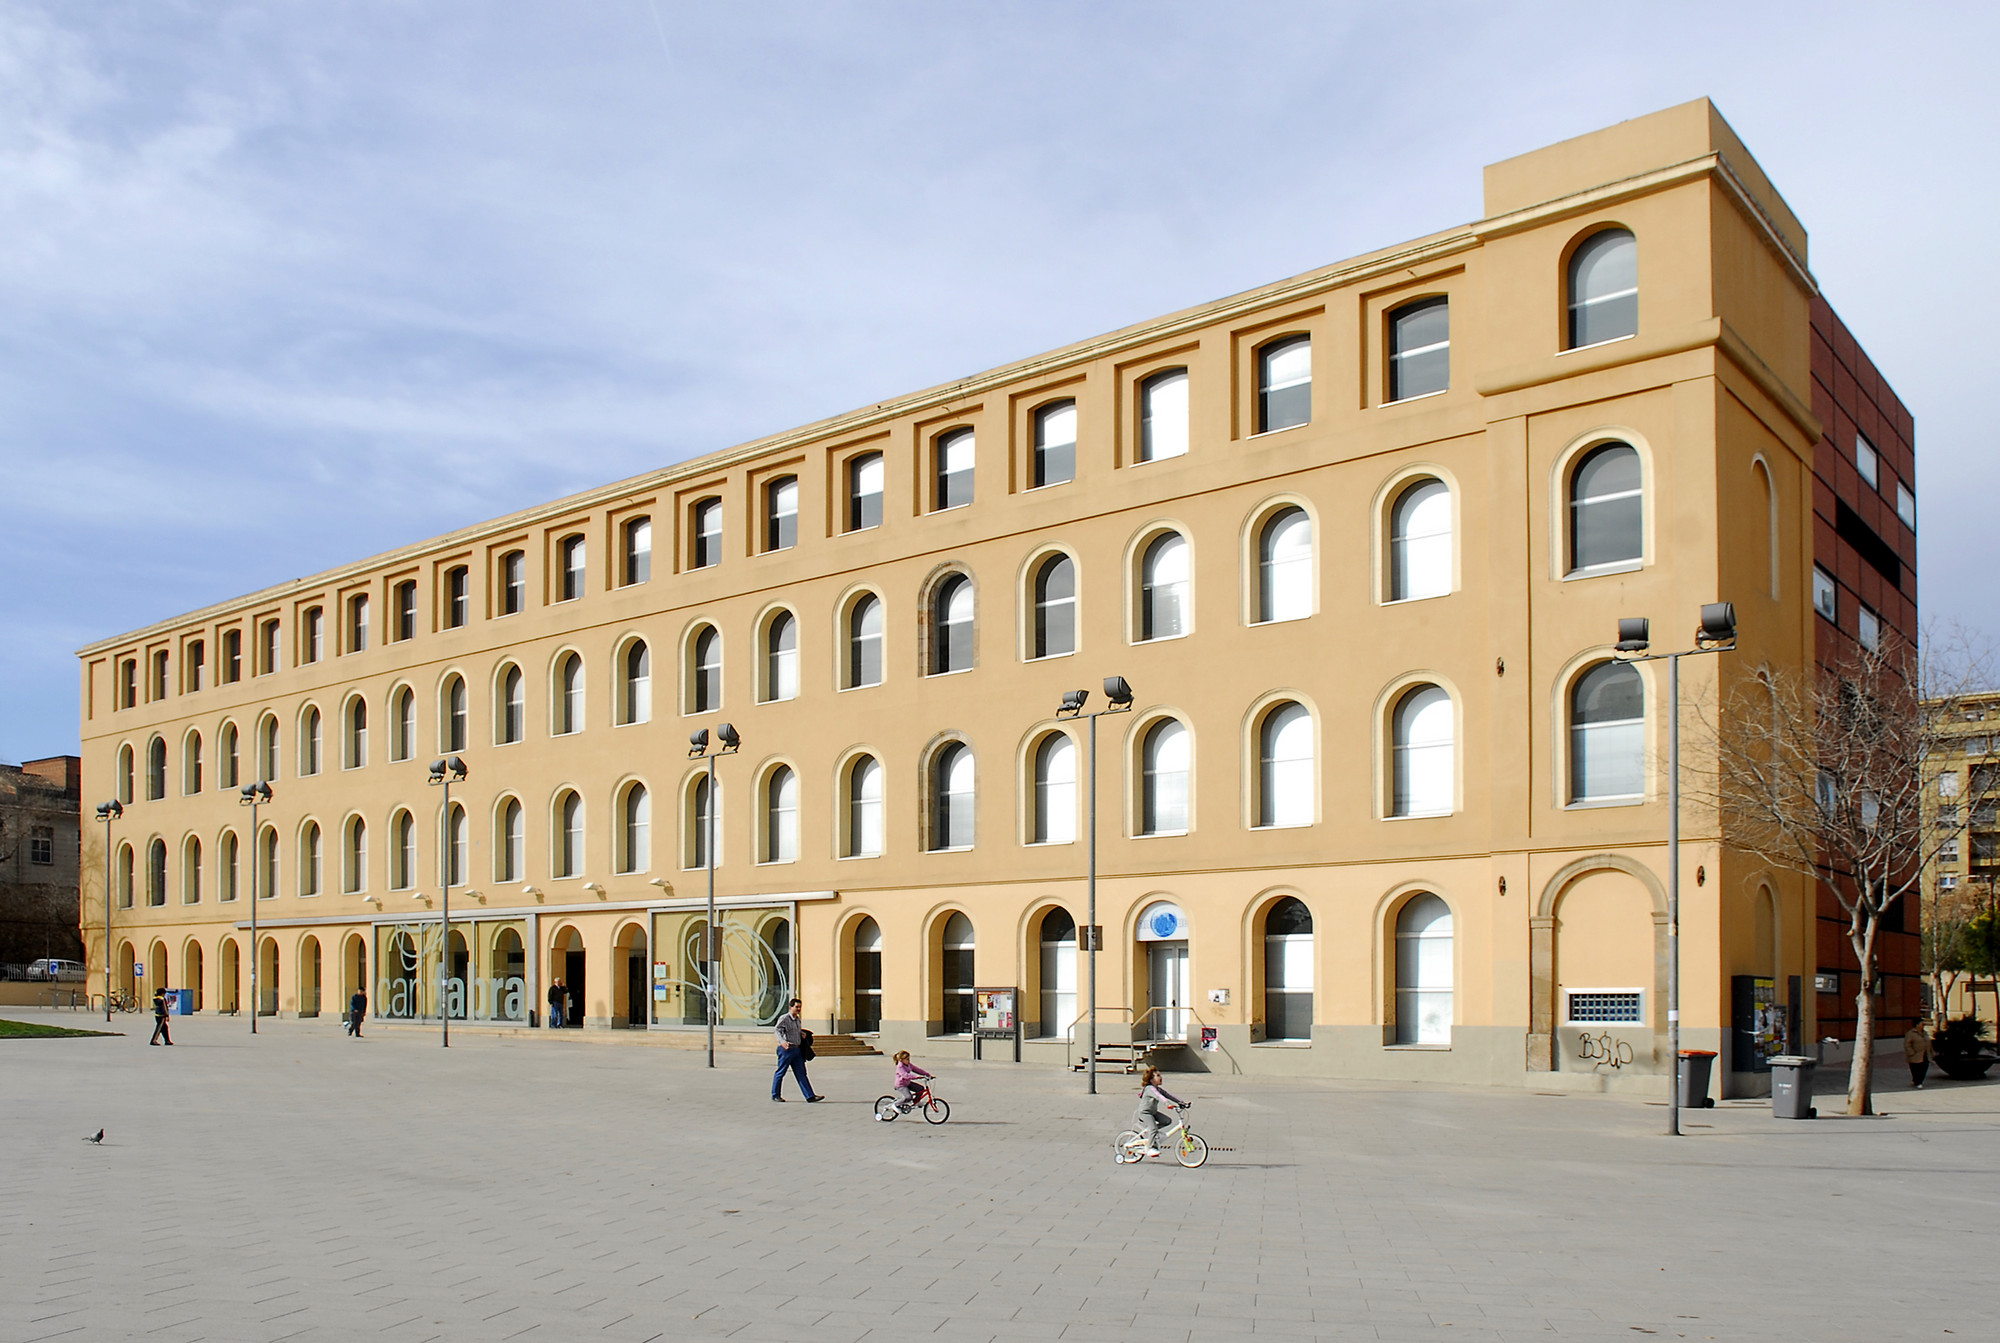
792 1039
557 994
357 1008
160 1032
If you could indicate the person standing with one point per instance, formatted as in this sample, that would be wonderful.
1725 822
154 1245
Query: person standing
556 996
1917 1053
792 1054
357 1008
160 1032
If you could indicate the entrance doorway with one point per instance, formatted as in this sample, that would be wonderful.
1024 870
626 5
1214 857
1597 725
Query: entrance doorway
1166 989
573 963
638 1004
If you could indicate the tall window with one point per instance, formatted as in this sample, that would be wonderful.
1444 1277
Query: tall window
1420 542
267 661
402 723
952 797
159 688
313 640
513 583
1055 790
1604 288
356 744
1284 384
357 622
1058 955
636 701
1055 444
513 722
700 804
196 657
635 843
309 859
569 835
1163 415
1423 972
191 764
457 596
511 850
781 657
231 664
1163 780
864 808
309 740
572 554
781 815
1607 734
227 867
1288 971
228 756
781 513
864 492
354 857
864 642
637 560
1419 349
953 481
1285 785
455 846
128 683
1606 510
569 695
1285 566
867 976
1055 607
956 971
1163 588
156 872
267 864
191 871
156 769
402 851
124 876
455 714
1868 628
951 625
707 534
406 609
1424 768
125 773
706 681
267 749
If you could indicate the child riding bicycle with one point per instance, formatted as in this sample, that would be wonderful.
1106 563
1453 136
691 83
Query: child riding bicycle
1149 1118
908 1076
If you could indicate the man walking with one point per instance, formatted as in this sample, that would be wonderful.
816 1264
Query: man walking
357 1008
791 1055
160 1032
556 995
1917 1053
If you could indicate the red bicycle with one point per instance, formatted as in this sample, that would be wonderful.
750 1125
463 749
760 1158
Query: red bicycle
935 1109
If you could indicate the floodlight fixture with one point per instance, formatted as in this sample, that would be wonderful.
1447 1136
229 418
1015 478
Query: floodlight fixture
1119 691
1072 703
1634 634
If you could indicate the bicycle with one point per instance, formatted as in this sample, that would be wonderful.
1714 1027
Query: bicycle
122 1001
936 1109
1190 1148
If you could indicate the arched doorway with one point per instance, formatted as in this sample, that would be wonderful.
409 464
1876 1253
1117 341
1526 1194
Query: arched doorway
1162 934
461 967
570 964
353 968
228 977
1288 971
128 963
868 976
1057 965
156 972
191 975
629 1003
396 995
267 978
510 973
1605 955
1424 972
955 948
309 976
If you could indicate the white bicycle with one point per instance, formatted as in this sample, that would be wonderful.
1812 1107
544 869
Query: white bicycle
1189 1148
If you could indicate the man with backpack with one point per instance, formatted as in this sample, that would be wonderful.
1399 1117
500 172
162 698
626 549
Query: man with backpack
794 1048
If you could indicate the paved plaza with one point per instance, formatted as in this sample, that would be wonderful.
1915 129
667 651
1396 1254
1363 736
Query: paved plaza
301 1185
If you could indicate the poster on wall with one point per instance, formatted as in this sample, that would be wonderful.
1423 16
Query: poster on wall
1208 1040
994 1011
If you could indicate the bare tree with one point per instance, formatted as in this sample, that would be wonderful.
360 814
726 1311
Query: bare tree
1824 774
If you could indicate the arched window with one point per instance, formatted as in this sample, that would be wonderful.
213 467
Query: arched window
569 695
1607 734
1285 566
125 773
1284 384
357 622
1288 971
954 470
510 849
637 560
955 975
191 871
1285 783
309 859
455 714
1163 783
1423 972
781 657
267 750
406 609
1420 542
1604 288
569 834
354 857
354 740
864 642
513 583
191 764
309 741
226 867
457 844
705 671
704 820
864 491
267 864
864 808
635 842
867 976
125 877
402 724
1055 790
781 513
572 555
1055 444
313 636
1607 521
951 625
1055 607
635 700
781 815
403 853
228 757
156 769
1419 349
1163 588
707 548
457 596
1425 767
513 724
1058 967
156 872
953 798
1767 494
1163 415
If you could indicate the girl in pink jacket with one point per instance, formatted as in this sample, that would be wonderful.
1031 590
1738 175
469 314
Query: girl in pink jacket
908 1075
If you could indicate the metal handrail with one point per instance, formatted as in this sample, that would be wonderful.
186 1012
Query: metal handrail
1069 1046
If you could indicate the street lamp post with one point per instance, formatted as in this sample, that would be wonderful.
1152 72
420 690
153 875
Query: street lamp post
447 772
107 813
1118 696
729 742
1715 634
254 796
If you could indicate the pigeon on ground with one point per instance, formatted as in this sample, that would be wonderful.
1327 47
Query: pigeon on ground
97 1137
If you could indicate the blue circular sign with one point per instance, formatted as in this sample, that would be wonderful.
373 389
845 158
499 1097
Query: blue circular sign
1165 923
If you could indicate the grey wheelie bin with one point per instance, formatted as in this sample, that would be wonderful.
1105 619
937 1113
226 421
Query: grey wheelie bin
1791 1086
1694 1071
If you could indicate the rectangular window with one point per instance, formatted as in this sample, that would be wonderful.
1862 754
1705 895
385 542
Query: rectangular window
267 656
1976 745
1163 416
1948 851
513 583
573 555
1826 598
232 656
357 622
1284 384
1906 505
42 845
128 683
457 597
314 636
1868 628
406 609
864 492
707 534
954 470
195 663
1594 1007
1419 349
158 689
781 513
1948 882
1948 784
1055 444
637 561
1866 461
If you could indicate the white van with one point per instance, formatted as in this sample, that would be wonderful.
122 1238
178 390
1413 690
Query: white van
53 970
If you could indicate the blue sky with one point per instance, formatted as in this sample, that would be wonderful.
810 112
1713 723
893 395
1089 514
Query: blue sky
283 284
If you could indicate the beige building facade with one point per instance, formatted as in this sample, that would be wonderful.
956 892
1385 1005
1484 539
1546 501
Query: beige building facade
1384 805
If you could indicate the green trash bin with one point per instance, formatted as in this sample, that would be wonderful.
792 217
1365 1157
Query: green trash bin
1791 1086
1694 1071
